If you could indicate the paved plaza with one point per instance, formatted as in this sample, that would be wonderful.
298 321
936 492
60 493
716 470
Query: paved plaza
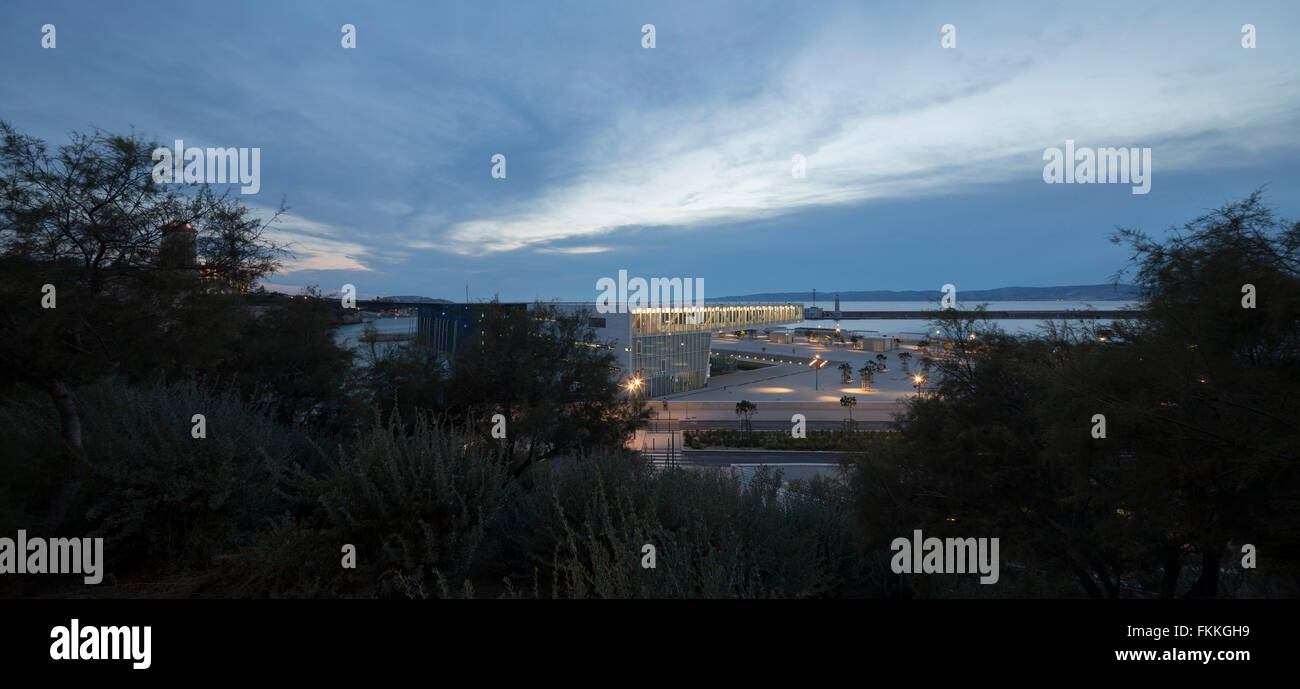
797 382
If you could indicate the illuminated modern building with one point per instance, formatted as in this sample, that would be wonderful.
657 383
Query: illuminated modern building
663 350
658 350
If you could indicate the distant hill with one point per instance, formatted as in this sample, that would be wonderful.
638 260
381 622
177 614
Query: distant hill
416 300
1066 293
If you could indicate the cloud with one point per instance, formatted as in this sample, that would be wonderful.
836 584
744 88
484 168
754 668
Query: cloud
317 246
978 118
573 250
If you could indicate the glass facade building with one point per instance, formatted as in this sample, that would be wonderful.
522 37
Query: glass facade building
451 327
669 363
670 345
651 321
665 348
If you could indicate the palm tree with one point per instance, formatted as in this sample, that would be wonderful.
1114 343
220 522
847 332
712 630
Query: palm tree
846 372
881 359
904 358
745 409
867 371
849 403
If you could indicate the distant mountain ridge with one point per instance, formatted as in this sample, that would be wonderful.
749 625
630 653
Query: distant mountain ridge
415 300
1105 292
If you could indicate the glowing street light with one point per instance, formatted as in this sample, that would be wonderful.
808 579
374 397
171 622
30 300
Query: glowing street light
916 382
817 363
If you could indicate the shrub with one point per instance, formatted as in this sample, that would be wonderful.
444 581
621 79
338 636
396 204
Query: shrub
414 499
163 500
715 536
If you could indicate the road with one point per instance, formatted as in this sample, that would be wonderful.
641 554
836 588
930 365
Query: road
761 425
729 457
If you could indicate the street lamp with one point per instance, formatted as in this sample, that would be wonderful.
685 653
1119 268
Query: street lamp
916 382
817 363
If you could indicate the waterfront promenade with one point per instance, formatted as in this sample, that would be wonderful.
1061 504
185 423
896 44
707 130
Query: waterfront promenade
789 386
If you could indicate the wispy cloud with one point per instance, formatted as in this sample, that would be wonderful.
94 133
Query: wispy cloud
383 151
318 246
573 250
873 135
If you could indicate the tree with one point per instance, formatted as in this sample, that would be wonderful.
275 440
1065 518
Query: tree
881 359
288 360
1212 384
866 373
846 372
545 372
905 358
849 403
405 380
979 454
276 351
745 410
89 220
1198 457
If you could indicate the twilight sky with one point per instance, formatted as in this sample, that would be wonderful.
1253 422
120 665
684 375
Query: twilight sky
924 164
